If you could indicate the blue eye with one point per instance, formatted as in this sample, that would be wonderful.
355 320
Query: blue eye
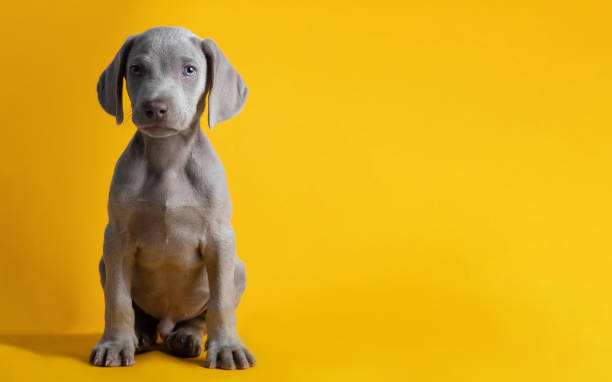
135 69
189 70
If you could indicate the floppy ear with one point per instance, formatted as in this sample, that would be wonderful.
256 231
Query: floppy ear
227 92
110 83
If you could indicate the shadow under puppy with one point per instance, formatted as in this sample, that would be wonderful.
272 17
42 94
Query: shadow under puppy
169 258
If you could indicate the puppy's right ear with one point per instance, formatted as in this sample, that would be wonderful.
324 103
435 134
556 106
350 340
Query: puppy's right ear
110 83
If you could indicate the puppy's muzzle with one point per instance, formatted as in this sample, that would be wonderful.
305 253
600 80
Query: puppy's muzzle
156 111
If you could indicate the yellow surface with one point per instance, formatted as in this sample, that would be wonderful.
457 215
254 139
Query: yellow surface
421 190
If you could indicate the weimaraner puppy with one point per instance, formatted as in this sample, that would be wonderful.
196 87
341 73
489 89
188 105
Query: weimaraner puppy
169 259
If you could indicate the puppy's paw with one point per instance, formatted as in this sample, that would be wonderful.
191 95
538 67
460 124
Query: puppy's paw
183 344
228 356
146 340
112 353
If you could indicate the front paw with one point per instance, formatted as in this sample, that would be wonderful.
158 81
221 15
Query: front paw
228 355
113 353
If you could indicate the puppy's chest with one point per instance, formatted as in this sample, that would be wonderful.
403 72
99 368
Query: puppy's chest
168 222
170 190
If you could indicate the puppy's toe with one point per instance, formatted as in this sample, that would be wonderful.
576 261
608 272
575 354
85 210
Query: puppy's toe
112 353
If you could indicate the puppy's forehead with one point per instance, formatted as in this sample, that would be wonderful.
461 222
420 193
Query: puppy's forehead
167 42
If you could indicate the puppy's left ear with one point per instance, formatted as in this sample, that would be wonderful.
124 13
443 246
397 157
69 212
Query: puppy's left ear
227 92
110 83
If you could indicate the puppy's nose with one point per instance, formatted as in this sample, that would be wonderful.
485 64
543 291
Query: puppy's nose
156 110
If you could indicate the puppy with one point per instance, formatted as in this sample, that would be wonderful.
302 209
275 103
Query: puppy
169 259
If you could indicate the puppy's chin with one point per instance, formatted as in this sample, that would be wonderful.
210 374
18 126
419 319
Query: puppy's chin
158 131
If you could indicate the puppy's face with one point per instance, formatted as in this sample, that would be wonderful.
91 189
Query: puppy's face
165 74
169 71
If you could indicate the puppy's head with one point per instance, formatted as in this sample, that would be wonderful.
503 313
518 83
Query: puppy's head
168 72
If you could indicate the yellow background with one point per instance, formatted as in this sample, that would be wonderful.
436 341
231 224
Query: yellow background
421 189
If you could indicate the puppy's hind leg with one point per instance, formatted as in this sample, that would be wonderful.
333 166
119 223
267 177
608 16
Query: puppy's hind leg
145 327
185 340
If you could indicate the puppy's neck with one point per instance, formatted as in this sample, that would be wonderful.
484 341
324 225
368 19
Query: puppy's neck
171 153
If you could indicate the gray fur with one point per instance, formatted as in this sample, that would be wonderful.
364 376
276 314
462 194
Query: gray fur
169 258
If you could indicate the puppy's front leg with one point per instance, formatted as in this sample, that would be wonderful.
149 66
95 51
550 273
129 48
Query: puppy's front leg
116 347
224 347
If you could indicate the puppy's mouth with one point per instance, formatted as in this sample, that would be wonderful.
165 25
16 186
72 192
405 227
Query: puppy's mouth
158 131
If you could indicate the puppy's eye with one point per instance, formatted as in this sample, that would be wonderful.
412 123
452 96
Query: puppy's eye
135 69
189 70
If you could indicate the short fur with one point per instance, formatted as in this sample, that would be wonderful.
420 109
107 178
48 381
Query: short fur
169 259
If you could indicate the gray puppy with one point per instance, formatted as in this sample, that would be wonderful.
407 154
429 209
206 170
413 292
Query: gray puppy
169 259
